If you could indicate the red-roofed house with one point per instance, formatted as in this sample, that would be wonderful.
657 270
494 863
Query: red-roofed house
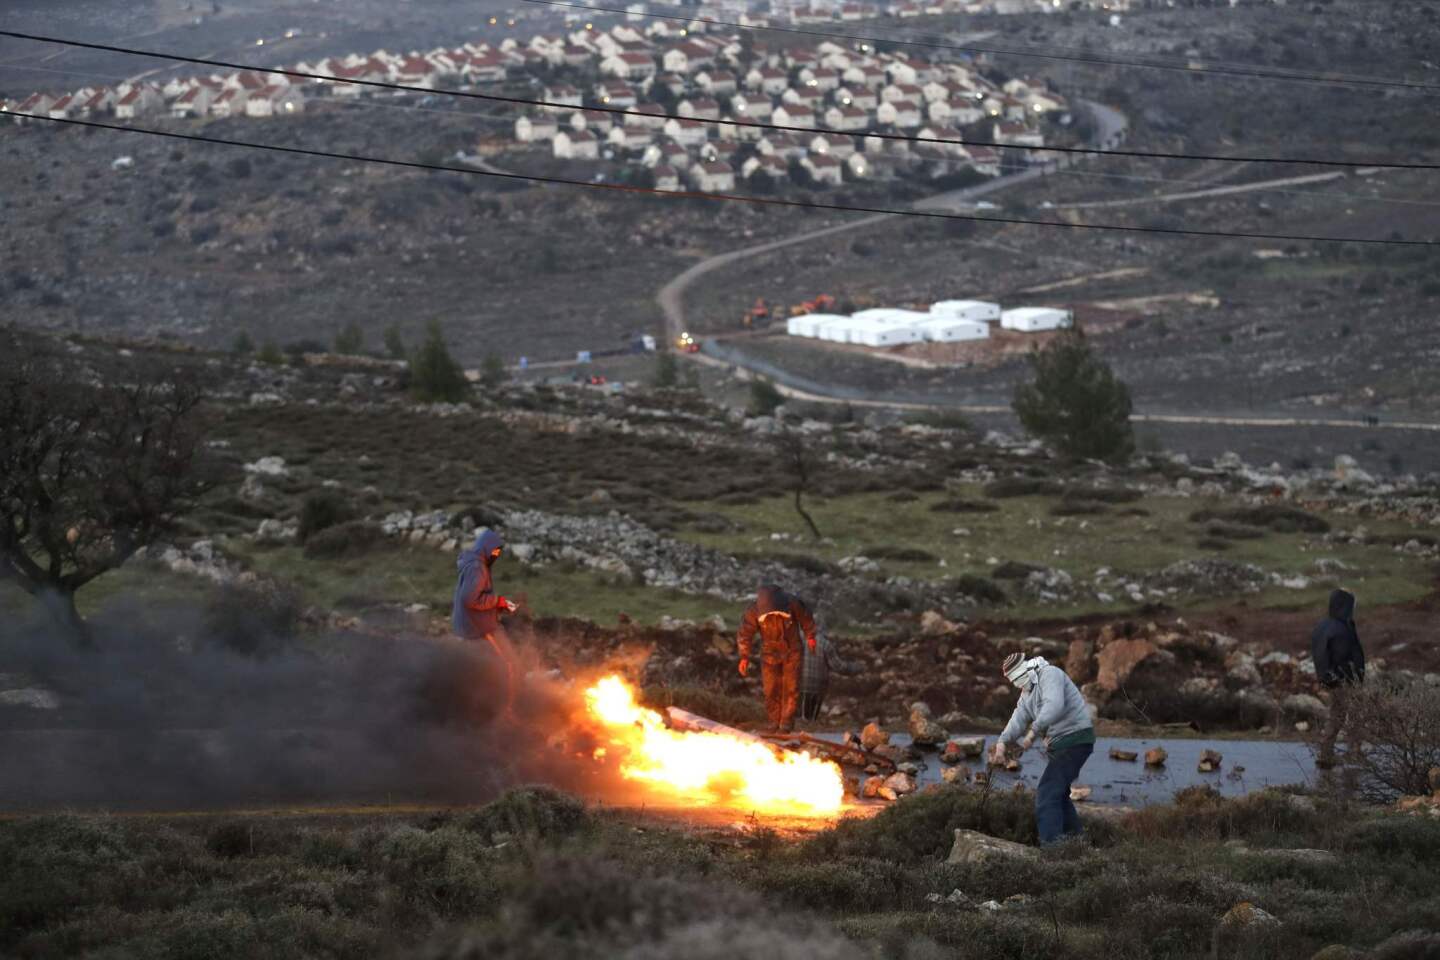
227 103
417 72
823 169
141 101
903 114
275 101
628 66
194 102
714 177
687 133
836 145
847 118
666 177
576 145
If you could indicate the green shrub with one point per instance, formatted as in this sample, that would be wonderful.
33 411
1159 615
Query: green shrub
1275 517
536 811
923 827
1014 570
353 539
982 589
765 397
957 505
1267 818
321 511
1110 495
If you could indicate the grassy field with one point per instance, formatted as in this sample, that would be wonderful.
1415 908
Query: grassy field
538 875
1024 530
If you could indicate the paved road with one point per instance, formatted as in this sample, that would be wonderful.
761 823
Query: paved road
1281 182
1176 418
1111 127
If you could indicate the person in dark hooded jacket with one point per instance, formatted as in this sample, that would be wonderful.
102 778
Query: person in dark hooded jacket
475 614
1339 664
784 623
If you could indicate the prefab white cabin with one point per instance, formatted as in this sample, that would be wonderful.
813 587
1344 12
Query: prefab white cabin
979 310
809 324
836 329
953 330
1036 319
879 333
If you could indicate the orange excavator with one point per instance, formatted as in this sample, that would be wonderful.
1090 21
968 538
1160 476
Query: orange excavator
818 305
757 313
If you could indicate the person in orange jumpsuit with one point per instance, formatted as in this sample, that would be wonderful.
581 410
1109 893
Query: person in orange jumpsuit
784 623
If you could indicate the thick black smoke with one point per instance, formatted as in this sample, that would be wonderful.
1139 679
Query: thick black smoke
177 711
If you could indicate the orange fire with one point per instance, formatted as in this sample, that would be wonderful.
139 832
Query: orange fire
712 768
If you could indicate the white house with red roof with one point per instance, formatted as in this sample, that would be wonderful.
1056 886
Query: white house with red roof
628 66
717 83
537 128
903 114
750 106
856 96
824 169
576 145
488 67
768 80
275 101
793 115
852 119
561 93
617 94
416 72
597 122
985 160
193 103
666 177
836 145
141 101
965 111
630 138
713 177
686 132
229 102
698 108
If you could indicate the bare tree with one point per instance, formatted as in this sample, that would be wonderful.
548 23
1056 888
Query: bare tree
90 471
1393 731
797 459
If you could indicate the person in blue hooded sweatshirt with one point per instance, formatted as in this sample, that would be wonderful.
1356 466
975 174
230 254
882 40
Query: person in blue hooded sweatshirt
475 614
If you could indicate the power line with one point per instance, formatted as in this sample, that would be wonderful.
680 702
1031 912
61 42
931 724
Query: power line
788 128
1263 74
722 197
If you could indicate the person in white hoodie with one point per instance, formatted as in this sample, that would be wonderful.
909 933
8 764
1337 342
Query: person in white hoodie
1052 708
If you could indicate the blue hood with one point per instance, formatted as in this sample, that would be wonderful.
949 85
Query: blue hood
485 542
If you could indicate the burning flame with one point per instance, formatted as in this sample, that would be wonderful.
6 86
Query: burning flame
708 767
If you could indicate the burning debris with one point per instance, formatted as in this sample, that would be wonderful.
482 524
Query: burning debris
708 763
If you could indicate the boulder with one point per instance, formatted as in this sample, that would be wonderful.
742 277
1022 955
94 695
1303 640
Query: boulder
1337 951
1119 659
872 736
924 731
1209 761
1306 706
954 774
934 624
1245 931
887 793
1156 757
1079 793
974 847
871 787
1124 756
972 747
1080 660
900 783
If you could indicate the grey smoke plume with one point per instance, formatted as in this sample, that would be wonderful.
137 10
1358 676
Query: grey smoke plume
184 712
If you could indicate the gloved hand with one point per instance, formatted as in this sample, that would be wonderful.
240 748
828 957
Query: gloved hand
997 753
507 605
744 666
812 644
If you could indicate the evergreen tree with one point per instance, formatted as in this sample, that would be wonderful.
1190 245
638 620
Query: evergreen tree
350 339
765 399
1075 402
394 343
435 377
242 345
667 370
270 353
492 371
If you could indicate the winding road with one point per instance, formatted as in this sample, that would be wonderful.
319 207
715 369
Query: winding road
1111 127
